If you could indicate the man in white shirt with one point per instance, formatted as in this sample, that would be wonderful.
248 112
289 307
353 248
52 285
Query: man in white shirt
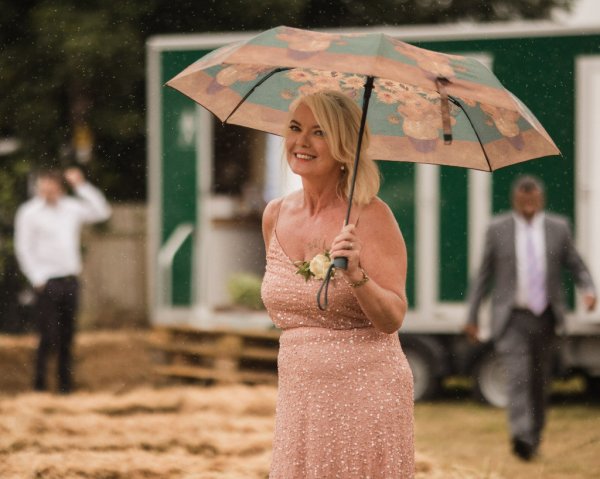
47 246
525 253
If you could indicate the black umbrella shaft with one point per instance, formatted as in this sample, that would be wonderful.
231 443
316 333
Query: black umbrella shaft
361 130
342 262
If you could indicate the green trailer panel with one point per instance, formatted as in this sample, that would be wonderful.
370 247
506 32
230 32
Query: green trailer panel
454 237
178 170
398 191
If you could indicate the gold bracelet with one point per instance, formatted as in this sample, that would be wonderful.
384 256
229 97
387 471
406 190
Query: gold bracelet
361 281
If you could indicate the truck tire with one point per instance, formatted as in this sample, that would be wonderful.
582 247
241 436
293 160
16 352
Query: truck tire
426 383
490 380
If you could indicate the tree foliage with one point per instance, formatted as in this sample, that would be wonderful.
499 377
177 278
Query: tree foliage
72 76
73 68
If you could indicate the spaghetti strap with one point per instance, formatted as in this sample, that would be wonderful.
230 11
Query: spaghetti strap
277 215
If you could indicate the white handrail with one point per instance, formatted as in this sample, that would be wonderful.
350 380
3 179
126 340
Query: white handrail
166 255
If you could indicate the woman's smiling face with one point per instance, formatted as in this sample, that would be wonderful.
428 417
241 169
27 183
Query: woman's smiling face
306 147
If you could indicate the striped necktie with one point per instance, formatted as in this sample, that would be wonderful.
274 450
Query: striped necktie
537 299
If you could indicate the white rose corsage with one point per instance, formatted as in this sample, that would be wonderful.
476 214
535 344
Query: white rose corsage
316 267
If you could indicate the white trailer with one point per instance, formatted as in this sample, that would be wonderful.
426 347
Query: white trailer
208 185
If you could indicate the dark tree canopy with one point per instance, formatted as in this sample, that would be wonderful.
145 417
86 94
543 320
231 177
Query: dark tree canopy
72 73
72 77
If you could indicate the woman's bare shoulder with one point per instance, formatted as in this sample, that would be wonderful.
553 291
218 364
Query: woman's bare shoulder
377 213
269 216
273 210
270 211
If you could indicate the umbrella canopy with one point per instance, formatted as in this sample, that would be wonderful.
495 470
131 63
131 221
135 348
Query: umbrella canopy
421 106
425 106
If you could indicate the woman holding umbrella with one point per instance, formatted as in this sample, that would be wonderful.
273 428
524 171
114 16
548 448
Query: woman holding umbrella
345 388
345 401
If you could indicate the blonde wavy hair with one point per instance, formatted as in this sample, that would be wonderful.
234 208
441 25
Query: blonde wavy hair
339 118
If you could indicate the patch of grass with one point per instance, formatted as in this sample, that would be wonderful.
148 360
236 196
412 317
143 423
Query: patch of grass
471 435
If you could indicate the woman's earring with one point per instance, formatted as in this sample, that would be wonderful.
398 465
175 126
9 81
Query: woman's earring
343 168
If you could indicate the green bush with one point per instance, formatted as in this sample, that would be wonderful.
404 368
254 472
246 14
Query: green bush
244 289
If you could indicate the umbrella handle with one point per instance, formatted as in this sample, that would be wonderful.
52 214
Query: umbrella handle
341 262
324 288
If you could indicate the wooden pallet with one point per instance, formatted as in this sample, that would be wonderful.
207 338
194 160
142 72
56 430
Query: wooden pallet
217 355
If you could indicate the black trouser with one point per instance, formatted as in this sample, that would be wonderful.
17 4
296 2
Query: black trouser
55 310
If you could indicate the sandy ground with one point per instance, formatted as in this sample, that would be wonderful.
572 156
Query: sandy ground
122 424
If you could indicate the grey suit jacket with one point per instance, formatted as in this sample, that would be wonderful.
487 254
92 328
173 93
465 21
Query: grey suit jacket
498 272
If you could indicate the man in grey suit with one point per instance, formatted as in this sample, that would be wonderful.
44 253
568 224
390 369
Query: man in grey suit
524 254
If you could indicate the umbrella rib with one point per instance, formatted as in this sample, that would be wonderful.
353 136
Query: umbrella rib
458 103
256 85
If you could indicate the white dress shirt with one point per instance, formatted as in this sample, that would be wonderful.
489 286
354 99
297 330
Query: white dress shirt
47 236
539 242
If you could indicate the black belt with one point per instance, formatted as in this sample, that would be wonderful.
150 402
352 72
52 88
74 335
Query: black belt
527 310
63 278
522 310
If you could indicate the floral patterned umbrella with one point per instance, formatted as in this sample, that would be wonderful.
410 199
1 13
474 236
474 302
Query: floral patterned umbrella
421 106
481 125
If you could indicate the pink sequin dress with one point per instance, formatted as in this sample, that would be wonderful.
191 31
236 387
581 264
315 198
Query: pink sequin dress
345 400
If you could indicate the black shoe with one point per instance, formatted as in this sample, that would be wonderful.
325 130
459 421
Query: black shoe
523 450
